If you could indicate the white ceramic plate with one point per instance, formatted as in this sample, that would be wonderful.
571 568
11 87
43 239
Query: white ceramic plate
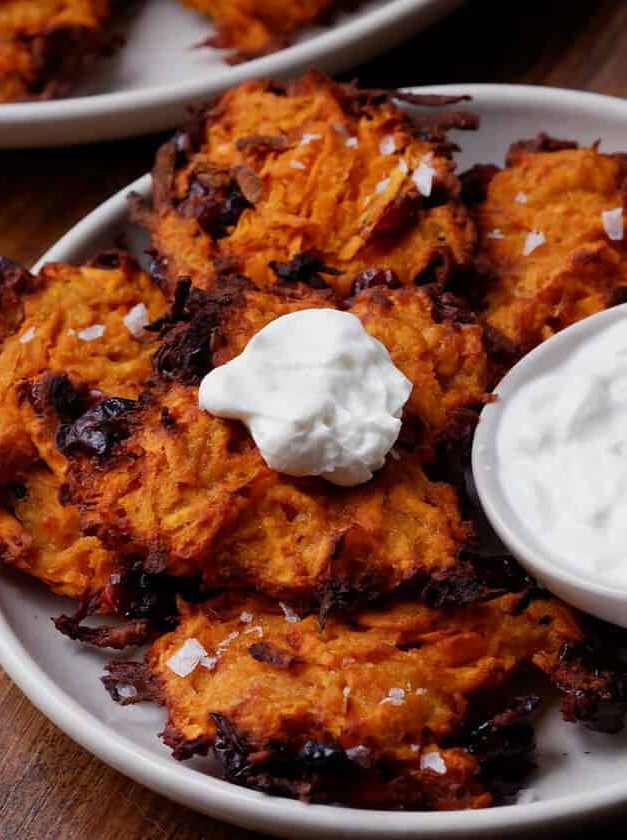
147 84
581 775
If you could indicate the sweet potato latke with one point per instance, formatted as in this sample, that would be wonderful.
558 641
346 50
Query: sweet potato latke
257 27
402 706
190 493
547 258
396 671
64 344
242 187
45 44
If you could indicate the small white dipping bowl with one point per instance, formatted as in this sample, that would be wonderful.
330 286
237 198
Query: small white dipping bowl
519 536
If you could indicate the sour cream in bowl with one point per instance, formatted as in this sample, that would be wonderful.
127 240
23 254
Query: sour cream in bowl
550 464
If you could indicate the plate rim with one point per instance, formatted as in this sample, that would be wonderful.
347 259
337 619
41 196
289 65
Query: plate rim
250 809
319 47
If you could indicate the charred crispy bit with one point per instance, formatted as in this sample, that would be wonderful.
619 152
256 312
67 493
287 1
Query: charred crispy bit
117 637
476 180
129 682
15 283
147 600
272 655
549 254
205 329
257 27
65 342
390 195
203 502
594 693
45 45
305 268
504 745
409 706
543 142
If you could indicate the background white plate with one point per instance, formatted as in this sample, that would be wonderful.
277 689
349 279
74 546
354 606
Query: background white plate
147 84
581 774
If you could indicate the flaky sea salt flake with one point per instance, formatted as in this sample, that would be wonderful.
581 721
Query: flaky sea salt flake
223 645
433 761
613 223
352 143
423 176
496 233
309 138
136 319
92 333
187 658
296 164
396 696
28 335
387 146
521 198
126 692
533 240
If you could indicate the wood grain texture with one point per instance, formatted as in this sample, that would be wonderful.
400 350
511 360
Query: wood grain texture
50 789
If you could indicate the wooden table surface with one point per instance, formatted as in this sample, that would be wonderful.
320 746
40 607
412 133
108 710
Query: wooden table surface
50 789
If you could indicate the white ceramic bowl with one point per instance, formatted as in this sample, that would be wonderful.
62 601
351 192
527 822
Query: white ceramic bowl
583 592
581 776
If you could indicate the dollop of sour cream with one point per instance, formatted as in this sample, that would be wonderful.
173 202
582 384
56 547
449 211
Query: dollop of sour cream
319 395
562 457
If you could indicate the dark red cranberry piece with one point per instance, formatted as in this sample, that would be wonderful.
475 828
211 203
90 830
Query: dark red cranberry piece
58 392
399 214
96 431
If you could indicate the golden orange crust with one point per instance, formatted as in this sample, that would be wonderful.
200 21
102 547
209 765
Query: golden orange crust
44 362
578 270
394 684
247 190
42 538
194 497
256 27
44 44
444 359
45 321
